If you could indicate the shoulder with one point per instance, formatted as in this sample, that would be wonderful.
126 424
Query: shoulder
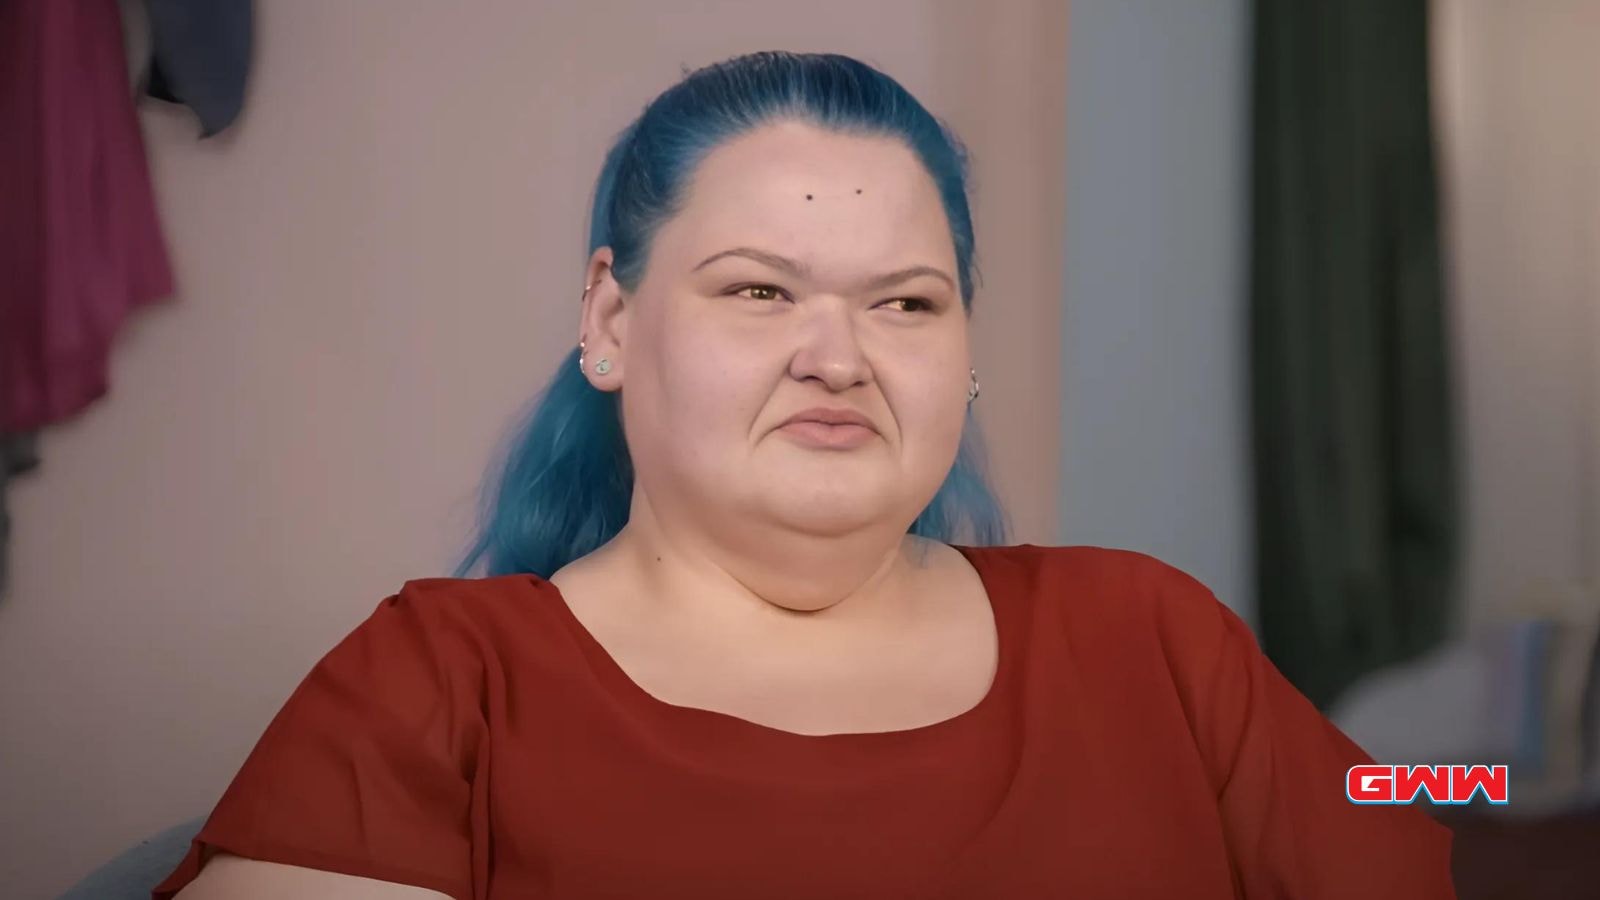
1116 598
463 602
464 606
1085 576
428 646
436 624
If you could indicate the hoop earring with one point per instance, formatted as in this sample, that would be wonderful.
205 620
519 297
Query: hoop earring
603 365
582 347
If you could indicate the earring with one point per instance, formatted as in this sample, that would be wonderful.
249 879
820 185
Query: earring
602 365
582 347
972 392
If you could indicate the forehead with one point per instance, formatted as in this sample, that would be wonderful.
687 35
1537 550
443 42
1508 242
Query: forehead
794 188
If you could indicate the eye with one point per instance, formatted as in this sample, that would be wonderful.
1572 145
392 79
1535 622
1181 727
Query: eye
760 292
909 304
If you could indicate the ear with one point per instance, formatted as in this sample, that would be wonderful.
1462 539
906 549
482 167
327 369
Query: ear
604 322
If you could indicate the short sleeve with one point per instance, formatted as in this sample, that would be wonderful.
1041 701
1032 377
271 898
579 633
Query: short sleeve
369 768
1278 768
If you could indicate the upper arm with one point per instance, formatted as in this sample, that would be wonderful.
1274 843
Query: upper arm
1277 766
370 769
229 877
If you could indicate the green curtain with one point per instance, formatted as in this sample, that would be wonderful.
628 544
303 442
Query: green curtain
1355 472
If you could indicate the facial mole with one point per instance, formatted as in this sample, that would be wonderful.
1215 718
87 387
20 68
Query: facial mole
858 190
808 196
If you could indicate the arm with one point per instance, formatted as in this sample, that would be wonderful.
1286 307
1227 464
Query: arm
229 877
365 776
1278 766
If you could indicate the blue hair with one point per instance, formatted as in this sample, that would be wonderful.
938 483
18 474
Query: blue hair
563 485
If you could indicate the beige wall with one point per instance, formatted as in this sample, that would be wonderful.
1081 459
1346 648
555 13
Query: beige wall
1520 135
378 266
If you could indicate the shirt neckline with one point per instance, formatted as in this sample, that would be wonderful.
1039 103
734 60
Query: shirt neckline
726 725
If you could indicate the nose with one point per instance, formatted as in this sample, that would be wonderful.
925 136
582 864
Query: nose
829 350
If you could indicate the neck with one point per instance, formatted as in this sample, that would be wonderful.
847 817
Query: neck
769 571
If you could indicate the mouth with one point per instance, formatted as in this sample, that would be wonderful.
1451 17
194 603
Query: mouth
832 429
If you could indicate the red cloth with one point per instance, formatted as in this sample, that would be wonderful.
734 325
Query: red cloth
80 245
473 738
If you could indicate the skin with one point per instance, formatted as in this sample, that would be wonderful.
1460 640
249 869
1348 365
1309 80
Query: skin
759 575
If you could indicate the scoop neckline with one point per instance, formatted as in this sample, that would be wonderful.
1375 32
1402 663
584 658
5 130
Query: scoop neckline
622 686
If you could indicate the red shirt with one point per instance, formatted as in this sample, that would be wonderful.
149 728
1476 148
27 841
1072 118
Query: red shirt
474 738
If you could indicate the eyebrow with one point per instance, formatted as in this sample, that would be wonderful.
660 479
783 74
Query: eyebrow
801 270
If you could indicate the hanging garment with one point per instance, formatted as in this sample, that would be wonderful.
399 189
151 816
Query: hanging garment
18 454
80 244
201 57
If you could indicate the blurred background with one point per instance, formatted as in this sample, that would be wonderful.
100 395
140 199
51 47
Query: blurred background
1301 298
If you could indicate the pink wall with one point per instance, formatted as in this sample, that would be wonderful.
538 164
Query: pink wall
378 265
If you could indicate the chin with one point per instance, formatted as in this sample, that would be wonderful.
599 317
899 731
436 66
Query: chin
821 523
834 510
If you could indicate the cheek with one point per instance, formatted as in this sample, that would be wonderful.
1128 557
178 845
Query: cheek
940 413
700 380
930 404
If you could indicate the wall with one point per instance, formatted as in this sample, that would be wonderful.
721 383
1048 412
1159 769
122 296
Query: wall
378 266
1155 452
1520 140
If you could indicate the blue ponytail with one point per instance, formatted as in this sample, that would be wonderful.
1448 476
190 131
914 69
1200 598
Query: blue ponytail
564 484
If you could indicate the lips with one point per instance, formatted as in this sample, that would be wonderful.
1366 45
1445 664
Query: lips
828 428
830 416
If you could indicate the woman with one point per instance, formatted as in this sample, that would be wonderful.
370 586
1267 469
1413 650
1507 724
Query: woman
726 649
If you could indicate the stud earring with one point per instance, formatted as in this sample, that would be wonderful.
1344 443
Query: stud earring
972 392
602 366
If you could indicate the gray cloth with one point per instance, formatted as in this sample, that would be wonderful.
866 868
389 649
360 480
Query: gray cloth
18 454
139 868
201 56
136 42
